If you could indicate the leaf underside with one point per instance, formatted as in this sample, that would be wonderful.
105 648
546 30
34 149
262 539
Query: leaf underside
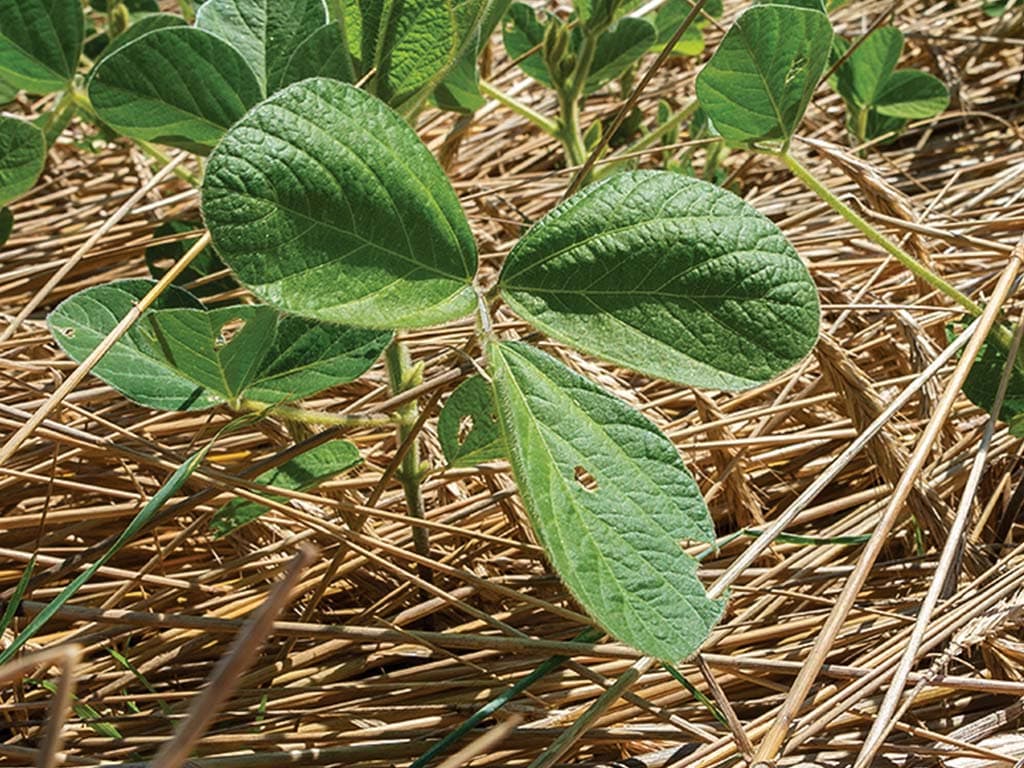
326 204
670 276
610 500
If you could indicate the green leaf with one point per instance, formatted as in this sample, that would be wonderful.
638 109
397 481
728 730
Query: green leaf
523 32
460 89
177 86
6 225
40 43
219 349
758 83
266 32
860 78
413 44
670 276
143 26
911 94
135 366
983 381
468 428
610 501
305 471
326 204
322 54
672 14
196 278
22 157
880 125
8 92
307 357
618 49
180 356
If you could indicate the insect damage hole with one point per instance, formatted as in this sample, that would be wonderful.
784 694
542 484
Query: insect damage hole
586 480
465 427
227 332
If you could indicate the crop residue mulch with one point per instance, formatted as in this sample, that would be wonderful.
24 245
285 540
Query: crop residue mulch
386 652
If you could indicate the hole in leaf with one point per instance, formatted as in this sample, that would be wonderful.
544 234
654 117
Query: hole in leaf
465 427
227 332
69 332
586 480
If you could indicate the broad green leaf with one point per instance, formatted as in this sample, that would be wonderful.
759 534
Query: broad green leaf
177 86
40 42
758 83
219 349
133 366
326 204
523 32
860 78
667 275
22 157
6 225
181 356
307 357
413 45
304 472
983 382
618 49
407 43
322 54
143 26
8 92
610 501
879 125
468 428
197 278
266 32
460 89
672 14
911 94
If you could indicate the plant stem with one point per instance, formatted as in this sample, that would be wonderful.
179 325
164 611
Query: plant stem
403 375
569 130
549 127
308 416
917 268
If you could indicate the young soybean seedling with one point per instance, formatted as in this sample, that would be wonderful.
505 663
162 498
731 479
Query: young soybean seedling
670 276
880 99
755 89
576 57
654 271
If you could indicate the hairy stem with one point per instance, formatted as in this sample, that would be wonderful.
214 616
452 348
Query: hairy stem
570 131
917 268
403 375
549 127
